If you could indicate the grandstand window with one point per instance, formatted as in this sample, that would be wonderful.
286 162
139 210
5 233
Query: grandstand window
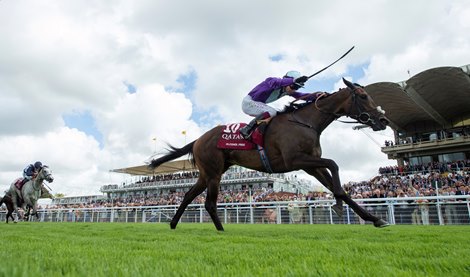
420 160
451 157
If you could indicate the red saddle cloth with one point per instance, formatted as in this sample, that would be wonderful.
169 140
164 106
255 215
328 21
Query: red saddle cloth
230 138
19 183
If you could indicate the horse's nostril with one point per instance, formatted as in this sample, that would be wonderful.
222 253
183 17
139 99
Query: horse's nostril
384 121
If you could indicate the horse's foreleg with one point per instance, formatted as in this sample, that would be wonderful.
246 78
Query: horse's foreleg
322 174
211 202
360 211
311 164
195 190
324 177
317 167
35 211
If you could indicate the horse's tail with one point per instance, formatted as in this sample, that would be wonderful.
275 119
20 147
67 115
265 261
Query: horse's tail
173 154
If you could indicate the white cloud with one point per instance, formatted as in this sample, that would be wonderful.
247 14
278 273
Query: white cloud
58 57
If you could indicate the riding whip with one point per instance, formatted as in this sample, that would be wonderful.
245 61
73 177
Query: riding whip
344 55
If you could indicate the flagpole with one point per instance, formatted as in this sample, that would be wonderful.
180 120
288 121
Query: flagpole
184 133
155 144
184 161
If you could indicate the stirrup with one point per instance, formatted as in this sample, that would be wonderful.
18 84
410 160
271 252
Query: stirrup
246 135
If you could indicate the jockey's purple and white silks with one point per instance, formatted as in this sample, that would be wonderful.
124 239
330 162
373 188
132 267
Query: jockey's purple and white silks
268 91
254 108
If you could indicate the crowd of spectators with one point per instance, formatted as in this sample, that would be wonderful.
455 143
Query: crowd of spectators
410 181
178 178
431 167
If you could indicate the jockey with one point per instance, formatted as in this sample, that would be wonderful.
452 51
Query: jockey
270 90
31 171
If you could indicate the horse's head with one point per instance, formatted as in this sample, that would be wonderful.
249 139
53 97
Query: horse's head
363 108
46 174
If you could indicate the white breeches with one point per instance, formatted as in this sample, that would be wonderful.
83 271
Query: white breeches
254 108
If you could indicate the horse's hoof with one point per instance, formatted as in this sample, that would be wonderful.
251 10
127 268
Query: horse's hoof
338 210
381 223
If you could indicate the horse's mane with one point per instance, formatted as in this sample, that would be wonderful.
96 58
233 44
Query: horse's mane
293 106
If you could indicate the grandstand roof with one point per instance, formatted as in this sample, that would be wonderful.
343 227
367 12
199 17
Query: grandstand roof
435 99
169 167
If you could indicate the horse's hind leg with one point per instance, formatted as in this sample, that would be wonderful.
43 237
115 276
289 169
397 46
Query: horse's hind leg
211 202
195 190
10 215
15 209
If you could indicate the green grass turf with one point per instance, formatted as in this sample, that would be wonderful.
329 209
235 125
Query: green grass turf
148 249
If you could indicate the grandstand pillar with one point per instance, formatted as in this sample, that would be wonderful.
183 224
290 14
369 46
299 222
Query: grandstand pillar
400 162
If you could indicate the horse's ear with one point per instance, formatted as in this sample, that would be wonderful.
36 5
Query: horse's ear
349 84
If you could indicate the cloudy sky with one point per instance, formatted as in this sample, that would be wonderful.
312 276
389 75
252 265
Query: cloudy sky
85 86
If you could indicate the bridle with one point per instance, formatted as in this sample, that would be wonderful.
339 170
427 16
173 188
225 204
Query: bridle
360 116
45 176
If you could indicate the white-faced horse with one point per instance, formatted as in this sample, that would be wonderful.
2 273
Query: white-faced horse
30 192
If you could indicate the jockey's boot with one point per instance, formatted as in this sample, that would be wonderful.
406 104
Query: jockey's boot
247 129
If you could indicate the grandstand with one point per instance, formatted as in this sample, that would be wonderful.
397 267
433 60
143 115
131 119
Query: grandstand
429 114
73 200
172 178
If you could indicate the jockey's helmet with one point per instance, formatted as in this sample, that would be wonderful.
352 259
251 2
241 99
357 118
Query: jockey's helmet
293 74
37 165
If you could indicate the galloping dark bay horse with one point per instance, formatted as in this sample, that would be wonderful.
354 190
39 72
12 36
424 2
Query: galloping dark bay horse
292 142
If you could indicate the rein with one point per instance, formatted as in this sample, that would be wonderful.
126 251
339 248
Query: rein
36 183
296 121
362 117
